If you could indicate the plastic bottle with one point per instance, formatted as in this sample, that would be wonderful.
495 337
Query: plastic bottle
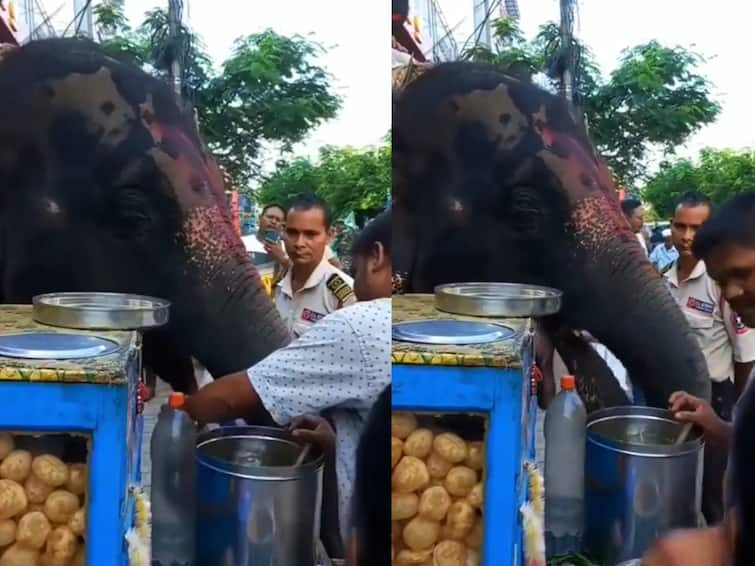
173 497
565 422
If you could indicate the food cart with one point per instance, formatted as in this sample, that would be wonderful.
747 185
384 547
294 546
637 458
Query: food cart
467 379
70 440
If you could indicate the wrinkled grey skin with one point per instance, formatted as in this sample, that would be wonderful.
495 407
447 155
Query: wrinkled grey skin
105 185
494 181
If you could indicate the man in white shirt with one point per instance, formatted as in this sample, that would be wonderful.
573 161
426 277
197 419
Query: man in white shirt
338 368
664 254
728 345
313 287
635 215
267 239
727 245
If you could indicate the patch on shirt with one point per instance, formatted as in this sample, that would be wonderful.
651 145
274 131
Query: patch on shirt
311 316
702 306
339 287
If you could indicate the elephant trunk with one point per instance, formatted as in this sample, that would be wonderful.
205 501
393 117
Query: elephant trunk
623 302
243 328
222 315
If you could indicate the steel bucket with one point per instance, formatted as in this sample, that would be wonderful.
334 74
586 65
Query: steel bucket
254 508
638 485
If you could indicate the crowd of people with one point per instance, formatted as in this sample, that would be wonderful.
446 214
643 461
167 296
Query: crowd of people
331 385
707 259
324 384
719 248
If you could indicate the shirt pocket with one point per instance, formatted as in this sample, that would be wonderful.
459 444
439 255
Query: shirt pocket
702 325
299 327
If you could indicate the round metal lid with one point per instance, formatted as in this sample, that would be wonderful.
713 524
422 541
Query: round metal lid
452 332
255 452
100 311
506 300
54 346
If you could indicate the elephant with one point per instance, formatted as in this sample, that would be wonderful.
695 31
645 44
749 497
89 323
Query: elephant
494 180
105 185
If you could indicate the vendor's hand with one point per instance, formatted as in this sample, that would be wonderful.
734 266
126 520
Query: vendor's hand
316 430
690 409
694 547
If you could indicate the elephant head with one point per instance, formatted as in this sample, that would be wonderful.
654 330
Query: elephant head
495 181
105 185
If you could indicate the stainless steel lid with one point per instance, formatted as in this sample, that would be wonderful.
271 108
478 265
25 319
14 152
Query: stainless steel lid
54 346
505 300
643 431
100 311
452 332
255 452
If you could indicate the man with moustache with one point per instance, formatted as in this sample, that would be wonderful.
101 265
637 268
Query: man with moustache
726 243
313 287
728 346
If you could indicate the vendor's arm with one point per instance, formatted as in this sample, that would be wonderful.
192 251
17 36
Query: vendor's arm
693 547
229 398
342 361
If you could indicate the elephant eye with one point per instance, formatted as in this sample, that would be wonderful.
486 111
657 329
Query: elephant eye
131 213
525 211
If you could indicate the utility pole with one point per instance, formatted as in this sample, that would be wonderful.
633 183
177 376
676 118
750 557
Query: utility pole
82 10
567 74
174 23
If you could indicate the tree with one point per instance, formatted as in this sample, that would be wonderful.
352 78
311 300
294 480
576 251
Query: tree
653 101
350 180
718 174
267 96
268 93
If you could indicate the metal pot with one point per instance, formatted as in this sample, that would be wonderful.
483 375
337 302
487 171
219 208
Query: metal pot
254 507
638 484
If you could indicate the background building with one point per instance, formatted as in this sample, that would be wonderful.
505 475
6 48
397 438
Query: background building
39 19
485 11
8 22
436 36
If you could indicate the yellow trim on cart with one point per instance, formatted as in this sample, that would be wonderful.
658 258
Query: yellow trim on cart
465 360
109 369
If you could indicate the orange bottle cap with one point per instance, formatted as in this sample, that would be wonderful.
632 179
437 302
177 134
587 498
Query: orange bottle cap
567 382
176 400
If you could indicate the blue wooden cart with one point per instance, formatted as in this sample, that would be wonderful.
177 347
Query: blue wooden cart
95 397
492 380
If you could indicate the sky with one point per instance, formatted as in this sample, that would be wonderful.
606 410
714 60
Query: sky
358 53
719 30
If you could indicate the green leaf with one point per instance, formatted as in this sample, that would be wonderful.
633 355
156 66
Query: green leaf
719 174
350 180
